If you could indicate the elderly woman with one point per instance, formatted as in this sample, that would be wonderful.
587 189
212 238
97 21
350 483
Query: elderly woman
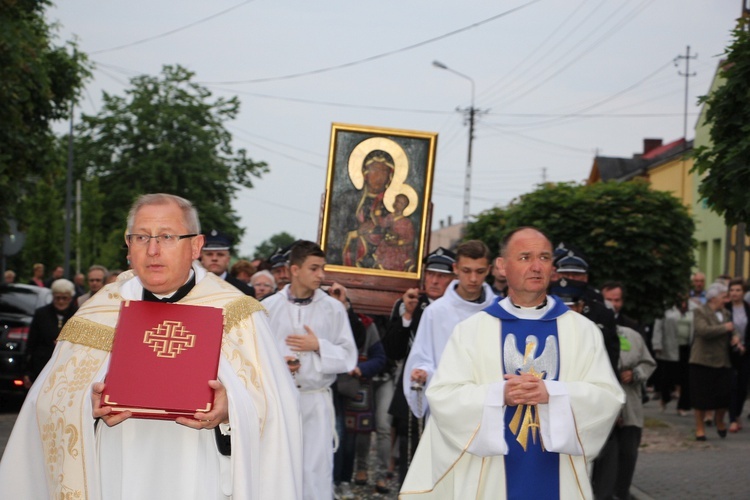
264 284
46 325
710 368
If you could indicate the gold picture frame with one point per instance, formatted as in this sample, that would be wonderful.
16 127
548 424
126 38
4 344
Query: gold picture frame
377 200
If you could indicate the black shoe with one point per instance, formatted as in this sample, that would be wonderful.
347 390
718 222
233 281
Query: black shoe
382 489
700 438
709 422
722 433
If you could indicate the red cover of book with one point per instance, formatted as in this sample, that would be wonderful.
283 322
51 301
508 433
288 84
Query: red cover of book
162 359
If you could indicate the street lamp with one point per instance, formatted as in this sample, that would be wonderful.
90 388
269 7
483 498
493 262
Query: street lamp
472 111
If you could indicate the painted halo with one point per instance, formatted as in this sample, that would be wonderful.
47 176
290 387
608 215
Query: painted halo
405 189
400 161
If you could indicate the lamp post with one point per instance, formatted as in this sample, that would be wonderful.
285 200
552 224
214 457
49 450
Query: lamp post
471 112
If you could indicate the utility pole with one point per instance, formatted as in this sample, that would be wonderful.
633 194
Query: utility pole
471 113
687 74
68 197
69 189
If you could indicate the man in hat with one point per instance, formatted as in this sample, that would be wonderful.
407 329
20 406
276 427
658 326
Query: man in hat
516 410
464 297
402 327
280 266
215 257
573 266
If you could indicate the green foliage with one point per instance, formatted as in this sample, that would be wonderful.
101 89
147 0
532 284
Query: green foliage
726 162
488 227
628 232
37 84
166 135
269 246
42 215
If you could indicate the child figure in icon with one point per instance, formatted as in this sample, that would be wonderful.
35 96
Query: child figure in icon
396 250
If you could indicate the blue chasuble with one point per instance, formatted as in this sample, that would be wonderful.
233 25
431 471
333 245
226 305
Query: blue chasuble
529 346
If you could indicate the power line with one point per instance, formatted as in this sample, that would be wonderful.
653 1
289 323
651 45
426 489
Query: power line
569 116
526 59
171 32
377 56
585 51
327 103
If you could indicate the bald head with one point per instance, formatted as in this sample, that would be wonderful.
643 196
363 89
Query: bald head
526 261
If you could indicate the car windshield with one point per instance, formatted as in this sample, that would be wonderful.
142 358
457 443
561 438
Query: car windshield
17 300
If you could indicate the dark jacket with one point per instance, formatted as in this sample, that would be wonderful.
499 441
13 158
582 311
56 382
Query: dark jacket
736 357
43 332
605 319
398 338
397 344
240 285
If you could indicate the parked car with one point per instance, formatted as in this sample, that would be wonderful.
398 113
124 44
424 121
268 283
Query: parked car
17 306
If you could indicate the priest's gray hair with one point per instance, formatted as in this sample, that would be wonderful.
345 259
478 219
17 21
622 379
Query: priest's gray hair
190 214
715 290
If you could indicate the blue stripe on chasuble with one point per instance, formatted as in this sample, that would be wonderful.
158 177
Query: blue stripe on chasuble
531 472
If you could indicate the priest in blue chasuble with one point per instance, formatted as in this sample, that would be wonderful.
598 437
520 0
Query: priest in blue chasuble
524 396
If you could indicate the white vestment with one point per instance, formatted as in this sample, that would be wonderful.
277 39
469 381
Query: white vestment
435 328
55 451
462 451
337 353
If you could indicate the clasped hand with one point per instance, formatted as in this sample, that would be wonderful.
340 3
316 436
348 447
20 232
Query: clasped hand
525 389
219 414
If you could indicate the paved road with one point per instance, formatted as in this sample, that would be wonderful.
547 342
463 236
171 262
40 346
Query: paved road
671 464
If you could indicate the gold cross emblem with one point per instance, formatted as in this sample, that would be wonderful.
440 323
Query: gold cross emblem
169 339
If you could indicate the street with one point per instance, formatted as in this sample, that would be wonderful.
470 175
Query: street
671 464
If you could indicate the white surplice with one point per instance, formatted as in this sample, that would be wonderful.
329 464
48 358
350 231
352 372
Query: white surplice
435 328
337 353
55 452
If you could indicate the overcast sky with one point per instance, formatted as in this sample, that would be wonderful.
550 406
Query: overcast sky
556 81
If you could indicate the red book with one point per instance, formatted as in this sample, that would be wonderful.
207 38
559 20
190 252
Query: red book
162 359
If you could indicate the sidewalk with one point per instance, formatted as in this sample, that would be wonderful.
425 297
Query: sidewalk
672 464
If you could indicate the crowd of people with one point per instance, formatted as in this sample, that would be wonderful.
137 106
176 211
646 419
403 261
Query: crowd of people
474 386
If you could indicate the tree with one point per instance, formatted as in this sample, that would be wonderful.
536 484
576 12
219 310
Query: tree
269 246
166 135
38 82
42 212
628 232
726 162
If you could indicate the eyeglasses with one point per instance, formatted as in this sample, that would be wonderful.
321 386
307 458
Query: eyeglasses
165 240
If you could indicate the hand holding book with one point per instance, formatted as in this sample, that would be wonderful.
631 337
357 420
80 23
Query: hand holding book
103 412
219 414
